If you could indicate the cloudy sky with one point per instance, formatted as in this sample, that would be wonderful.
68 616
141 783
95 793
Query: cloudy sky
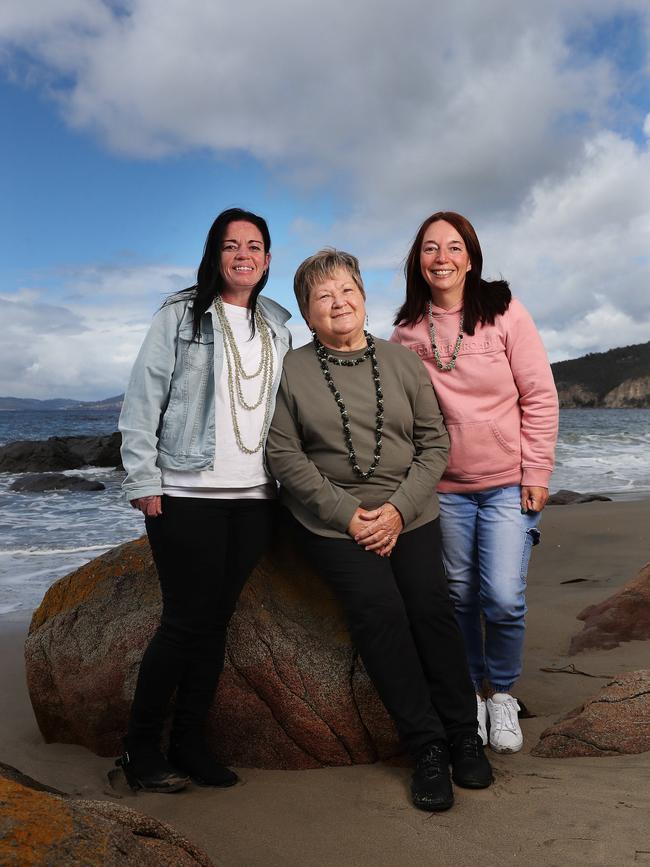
129 124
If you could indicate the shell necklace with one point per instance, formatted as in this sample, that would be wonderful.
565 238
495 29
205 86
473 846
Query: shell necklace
436 353
236 374
325 359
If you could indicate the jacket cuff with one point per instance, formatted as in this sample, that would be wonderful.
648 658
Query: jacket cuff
536 477
135 490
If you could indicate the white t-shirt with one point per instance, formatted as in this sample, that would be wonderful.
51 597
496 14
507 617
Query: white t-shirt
235 474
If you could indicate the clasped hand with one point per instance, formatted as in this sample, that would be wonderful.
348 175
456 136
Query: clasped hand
376 529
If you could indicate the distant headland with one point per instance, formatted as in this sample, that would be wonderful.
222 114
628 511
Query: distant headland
616 379
32 404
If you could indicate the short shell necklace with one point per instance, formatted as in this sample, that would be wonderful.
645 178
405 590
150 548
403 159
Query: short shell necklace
236 374
436 353
325 359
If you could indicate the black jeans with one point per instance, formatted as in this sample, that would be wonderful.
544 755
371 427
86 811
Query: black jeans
204 551
402 622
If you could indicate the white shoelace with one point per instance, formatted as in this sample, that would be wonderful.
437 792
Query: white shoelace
507 715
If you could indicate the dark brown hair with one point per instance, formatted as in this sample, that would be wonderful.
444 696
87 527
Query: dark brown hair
483 300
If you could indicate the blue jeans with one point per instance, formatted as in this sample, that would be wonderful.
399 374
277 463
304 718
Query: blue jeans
486 545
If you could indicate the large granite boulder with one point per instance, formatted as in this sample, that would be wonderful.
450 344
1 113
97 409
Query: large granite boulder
615 721
42 828
61 453
624 616
293 693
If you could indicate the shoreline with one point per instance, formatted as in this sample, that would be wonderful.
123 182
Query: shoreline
541 811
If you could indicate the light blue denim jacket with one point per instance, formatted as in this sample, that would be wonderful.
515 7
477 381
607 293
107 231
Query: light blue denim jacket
167 418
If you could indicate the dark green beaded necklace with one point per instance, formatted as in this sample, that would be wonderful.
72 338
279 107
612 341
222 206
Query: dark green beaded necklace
325 359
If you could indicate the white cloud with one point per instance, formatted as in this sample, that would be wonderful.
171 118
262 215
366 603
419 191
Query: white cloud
396 110
83 349
580 244
410 102
602 326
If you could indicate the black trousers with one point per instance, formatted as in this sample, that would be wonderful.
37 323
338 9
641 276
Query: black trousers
204 551
402 622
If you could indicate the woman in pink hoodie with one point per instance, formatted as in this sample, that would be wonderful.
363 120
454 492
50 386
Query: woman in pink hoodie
496 391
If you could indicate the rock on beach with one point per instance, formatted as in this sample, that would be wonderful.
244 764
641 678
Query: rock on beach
31 483
61 453
615 721
293 694
39 827
566 498
624 616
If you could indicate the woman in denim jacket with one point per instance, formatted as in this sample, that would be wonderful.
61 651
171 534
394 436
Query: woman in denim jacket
194 422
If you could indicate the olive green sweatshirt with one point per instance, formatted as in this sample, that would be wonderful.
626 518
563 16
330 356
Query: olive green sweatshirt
306 450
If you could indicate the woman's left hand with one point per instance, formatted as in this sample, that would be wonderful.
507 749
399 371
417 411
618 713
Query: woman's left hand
384 526
533 498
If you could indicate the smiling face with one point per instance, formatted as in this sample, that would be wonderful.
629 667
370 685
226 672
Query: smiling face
444 262
337 312
243 261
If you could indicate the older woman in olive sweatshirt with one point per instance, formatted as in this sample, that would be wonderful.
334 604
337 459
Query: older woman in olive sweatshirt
358 445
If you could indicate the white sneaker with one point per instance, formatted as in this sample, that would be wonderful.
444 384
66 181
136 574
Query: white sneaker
505 733
481 715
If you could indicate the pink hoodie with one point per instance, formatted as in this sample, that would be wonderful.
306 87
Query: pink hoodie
499 402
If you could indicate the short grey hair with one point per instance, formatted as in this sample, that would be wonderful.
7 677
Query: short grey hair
320 267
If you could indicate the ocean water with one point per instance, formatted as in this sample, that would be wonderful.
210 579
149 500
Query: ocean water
45 536
604 450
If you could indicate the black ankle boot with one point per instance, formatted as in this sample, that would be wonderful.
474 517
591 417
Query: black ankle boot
430 785
470 766
146 768
193 757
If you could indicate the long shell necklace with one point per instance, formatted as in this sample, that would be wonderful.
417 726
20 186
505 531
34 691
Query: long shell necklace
236 374
325 359
436 353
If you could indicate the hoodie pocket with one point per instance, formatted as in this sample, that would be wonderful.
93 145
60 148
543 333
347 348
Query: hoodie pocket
479 450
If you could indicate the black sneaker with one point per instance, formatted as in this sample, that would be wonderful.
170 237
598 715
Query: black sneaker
430 785
470 766
146 768
193 758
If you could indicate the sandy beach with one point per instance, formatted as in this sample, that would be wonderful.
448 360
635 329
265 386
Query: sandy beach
538 812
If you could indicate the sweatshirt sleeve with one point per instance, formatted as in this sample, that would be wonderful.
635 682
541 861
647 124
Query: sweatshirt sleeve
431 442
537 396
293 469
144 403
